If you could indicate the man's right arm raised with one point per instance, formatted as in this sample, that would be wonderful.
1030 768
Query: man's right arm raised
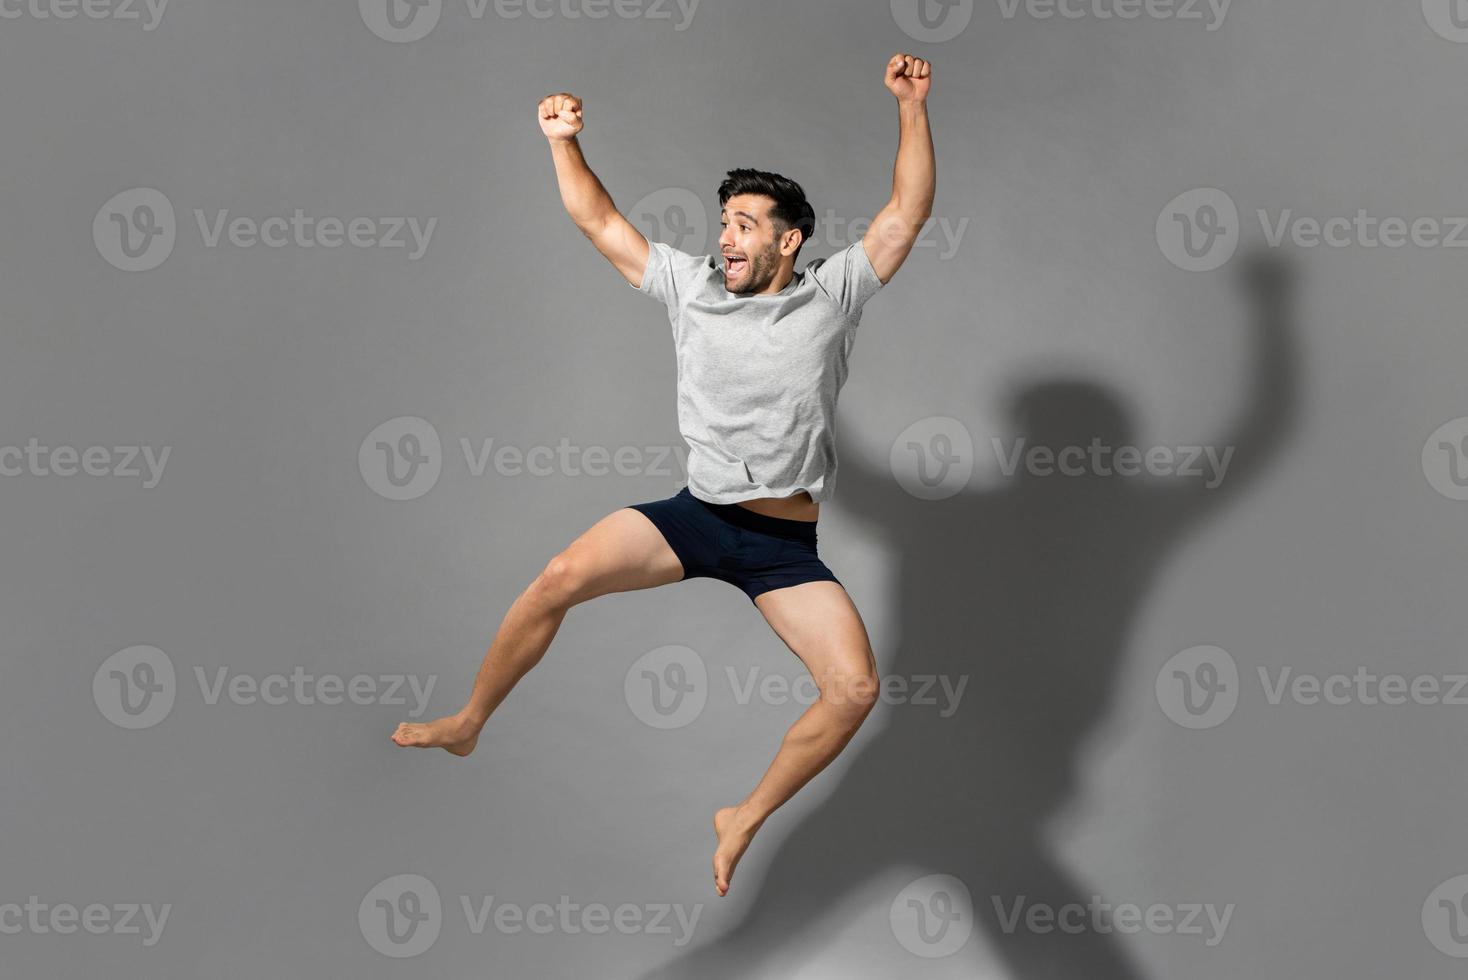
586 200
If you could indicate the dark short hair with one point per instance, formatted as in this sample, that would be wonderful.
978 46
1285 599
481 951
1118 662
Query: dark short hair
791 209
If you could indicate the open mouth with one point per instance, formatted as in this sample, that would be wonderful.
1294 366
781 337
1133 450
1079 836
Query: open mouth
734 265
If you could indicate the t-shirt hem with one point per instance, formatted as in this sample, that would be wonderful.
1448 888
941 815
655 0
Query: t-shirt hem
737 496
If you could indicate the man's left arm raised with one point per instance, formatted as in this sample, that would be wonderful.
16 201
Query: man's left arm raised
896 227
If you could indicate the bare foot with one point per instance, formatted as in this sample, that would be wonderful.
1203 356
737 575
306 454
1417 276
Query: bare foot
735 830
452 734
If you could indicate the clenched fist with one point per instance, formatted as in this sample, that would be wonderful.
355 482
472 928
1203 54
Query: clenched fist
560 117
908 78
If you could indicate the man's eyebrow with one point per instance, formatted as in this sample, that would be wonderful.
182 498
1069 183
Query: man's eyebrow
745 214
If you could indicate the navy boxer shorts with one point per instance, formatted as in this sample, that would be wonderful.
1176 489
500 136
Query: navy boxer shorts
751 551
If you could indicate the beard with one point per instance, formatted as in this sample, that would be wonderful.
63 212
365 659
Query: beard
763 267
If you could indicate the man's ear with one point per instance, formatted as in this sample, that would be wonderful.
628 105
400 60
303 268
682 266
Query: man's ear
790 241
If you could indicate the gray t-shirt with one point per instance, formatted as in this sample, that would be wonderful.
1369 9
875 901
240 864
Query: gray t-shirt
758 376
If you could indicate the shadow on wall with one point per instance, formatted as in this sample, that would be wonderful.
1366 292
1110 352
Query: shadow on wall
1030 588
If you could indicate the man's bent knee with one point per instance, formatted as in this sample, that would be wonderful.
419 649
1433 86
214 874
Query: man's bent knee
852 693
562 583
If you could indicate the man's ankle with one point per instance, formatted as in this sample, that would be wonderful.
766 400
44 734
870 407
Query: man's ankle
747 819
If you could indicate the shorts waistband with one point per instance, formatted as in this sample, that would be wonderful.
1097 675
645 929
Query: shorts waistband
780 527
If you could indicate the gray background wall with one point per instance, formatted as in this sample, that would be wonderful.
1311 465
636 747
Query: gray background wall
1071 765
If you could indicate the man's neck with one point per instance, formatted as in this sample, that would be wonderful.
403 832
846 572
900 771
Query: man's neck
782 279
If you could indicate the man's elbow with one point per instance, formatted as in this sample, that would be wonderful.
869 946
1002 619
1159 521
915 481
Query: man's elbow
915 209
581 220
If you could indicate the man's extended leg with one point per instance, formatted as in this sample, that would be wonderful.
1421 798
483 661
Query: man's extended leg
622 552
820 624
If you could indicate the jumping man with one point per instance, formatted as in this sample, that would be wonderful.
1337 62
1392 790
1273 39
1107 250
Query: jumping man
762 354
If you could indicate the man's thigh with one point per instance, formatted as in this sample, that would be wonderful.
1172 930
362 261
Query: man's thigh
820 624
622 552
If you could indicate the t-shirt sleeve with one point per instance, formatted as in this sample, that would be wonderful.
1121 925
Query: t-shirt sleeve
848 277
671 273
